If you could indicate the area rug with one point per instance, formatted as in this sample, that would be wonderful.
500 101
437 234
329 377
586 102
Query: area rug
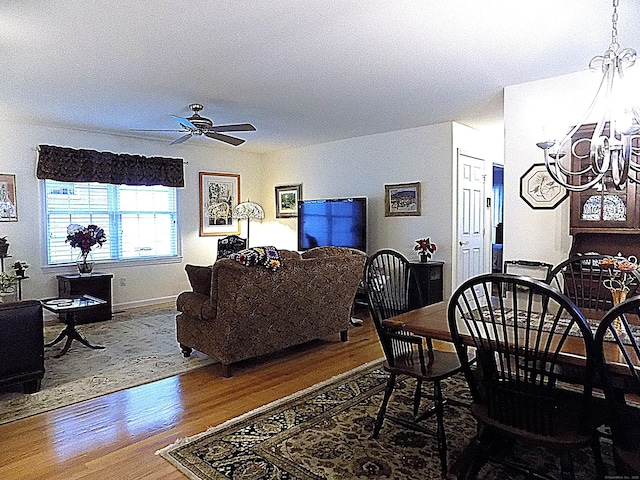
325 433
140 347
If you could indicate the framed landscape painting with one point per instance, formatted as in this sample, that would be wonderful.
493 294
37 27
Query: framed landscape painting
402 199
219 194
287 197
8 205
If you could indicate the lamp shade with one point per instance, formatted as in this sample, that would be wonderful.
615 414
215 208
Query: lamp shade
248 209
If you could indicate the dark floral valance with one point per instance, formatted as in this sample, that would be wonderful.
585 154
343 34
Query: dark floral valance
71 165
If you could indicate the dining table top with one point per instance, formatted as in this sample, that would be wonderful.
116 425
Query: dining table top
432 321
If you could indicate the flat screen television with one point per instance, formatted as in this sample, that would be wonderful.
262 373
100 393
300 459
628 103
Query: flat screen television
338 222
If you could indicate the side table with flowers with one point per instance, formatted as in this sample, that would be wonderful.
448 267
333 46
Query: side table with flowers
84 238
425 248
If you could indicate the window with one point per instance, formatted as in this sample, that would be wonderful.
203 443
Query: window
139 221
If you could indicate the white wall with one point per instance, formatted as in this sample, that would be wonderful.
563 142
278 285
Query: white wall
361 167
533 111
145 284
354 167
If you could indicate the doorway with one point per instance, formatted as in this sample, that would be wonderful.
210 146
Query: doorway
497 209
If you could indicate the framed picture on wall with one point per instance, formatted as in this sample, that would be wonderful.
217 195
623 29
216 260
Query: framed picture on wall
219 194
8 205
402 199
539 190
287 197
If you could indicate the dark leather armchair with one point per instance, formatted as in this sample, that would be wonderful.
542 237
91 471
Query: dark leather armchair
21 345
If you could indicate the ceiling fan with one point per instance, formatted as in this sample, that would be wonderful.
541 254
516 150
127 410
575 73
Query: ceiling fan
198 125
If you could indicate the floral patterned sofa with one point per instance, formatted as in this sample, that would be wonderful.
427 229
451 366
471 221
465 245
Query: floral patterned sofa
236 312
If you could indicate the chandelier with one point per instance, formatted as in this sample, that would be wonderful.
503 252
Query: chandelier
614 140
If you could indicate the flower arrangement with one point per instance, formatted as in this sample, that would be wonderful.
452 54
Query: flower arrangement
621 274
425 247
85 237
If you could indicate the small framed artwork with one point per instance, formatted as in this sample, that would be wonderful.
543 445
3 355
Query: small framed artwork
402 199
8 205
219 194
287 197
540 190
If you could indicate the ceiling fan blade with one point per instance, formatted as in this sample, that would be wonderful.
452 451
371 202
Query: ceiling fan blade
153 130
237 127
182 139
225 138
184 122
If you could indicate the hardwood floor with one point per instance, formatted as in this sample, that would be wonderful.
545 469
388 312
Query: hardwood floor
116 436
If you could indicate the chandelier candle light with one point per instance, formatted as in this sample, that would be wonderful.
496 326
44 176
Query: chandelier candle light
84 238
614 140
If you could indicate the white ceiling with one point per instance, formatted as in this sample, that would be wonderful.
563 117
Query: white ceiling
303 72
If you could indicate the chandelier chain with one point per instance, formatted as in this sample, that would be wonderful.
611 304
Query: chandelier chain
614 29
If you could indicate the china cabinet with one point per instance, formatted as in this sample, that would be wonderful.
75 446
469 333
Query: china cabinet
603 219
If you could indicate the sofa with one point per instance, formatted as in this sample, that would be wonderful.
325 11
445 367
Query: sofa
21 345
236 312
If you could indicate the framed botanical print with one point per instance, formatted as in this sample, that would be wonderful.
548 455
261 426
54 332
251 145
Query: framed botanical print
402 199
8 205
287 197
219 194
539 190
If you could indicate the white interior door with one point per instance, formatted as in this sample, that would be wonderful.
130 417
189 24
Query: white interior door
471 217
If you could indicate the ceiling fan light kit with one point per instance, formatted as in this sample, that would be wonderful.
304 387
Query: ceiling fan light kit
199 125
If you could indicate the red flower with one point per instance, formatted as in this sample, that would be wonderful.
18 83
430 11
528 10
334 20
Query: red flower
425 246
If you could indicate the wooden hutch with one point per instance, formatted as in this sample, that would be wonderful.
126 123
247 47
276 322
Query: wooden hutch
603 220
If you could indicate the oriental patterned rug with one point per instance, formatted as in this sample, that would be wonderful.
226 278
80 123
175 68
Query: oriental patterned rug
141 347
325 433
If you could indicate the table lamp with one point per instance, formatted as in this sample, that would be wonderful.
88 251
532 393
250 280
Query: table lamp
248 210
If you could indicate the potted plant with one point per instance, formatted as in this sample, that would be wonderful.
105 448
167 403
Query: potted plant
20 268
7 287
425 248
4 247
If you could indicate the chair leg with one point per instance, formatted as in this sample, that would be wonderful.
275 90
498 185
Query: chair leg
383 408
416 398
440 433
566 464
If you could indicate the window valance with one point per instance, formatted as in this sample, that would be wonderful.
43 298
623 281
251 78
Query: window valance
75 165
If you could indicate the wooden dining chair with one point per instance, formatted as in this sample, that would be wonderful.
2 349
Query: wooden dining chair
387 277
618 357
517 340
581 279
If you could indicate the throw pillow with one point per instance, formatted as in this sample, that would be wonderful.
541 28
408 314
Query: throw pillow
267 257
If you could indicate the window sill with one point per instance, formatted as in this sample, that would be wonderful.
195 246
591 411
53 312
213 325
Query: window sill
110 264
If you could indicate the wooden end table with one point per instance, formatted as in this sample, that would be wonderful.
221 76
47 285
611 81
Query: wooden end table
71 306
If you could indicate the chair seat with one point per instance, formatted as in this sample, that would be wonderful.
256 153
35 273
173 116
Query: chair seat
570 430
629 452
444 365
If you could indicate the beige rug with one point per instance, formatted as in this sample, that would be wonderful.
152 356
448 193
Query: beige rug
141 347
325 433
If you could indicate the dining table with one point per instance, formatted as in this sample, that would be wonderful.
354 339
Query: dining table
431 321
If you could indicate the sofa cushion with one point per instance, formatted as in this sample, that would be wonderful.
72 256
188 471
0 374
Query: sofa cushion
267 257
199 278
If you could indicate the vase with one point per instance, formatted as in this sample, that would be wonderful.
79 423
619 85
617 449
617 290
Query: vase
619 295
423 257
85 263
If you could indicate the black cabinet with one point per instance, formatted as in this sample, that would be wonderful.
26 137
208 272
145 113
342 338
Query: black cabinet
21 345
97 285
429 276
